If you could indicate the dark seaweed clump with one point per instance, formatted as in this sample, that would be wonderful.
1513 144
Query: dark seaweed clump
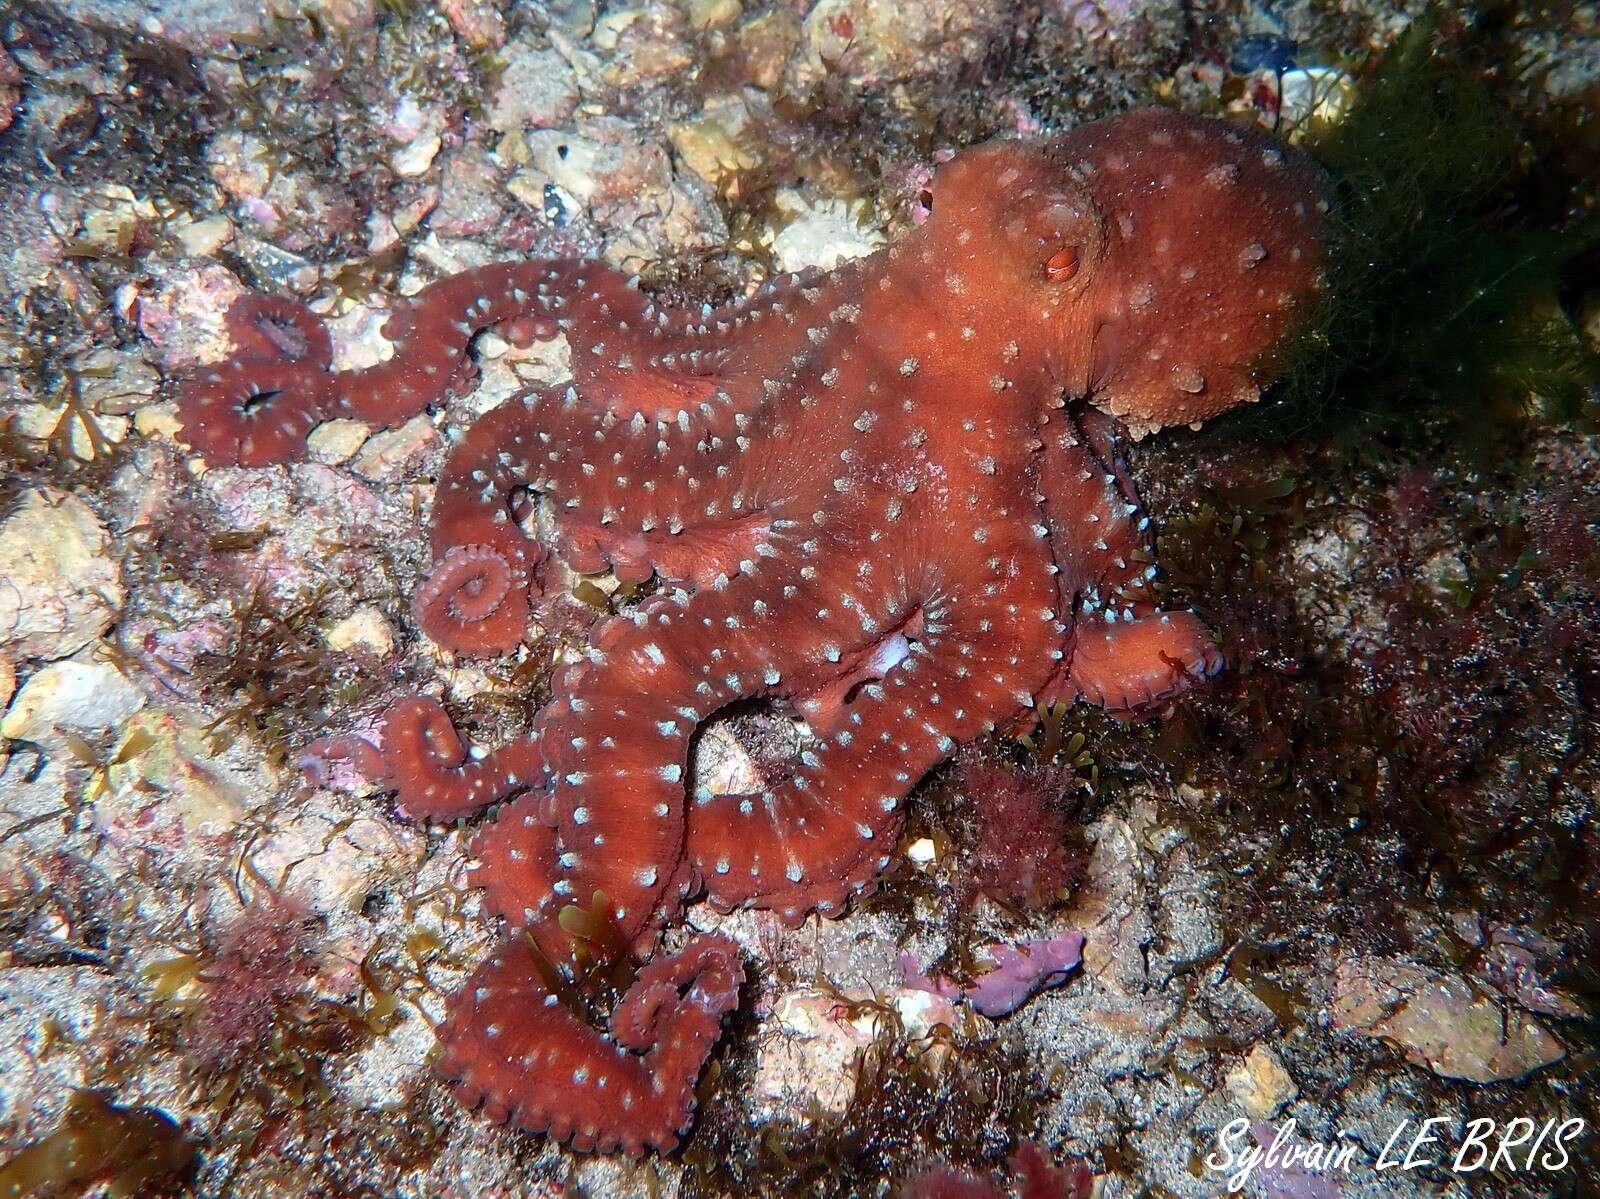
1454 257
966 1102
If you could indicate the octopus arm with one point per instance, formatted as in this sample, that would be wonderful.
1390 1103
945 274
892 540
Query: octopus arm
1122 653
815 839
434 775
257 407
515 1051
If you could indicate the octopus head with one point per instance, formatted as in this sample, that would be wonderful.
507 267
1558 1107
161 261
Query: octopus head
1161 257
1213 240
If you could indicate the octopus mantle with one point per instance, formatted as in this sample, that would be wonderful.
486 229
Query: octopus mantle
876 497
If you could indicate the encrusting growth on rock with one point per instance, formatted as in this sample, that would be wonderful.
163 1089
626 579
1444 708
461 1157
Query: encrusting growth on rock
875 496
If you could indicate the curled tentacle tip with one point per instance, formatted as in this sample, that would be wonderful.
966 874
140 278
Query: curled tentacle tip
278 329
475 601
330 761
251 412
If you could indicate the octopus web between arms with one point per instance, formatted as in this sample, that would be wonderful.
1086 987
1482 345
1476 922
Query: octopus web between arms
890 498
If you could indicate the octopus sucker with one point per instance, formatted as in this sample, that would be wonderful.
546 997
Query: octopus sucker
891 499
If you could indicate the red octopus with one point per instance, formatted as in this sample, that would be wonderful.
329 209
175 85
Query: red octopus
890 498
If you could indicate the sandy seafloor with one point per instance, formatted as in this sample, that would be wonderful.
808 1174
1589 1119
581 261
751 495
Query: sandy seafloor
1354 885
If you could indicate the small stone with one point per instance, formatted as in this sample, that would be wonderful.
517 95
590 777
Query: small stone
417 155
719 143
604 165
113 381
157 420
922 853
63 587
364 629
805 1063
1260 1084
476 22
391 453
72 696
43 422
10 89
538 89
165 783
336 441
876 41
645 45
821 233
765 44
712 14
332 860
183 314
203 238
8 680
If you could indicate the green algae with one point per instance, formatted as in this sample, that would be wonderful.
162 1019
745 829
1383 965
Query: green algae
1446 279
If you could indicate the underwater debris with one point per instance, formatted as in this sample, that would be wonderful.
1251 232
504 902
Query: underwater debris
124 1149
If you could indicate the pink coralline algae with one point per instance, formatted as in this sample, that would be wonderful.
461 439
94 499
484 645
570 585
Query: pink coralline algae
891 498
1035 1177
1020 972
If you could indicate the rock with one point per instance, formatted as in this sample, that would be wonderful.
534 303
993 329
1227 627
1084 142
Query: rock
719 143
604 166
60 588
165 786
83 697
821 233
575 18
1189 923
332 860
289 204
8 680
202 238
417 155
10 89
644 45
336 441
538 89
1260 1084
1111 905
182 314
114 382
392 453
64 1025
364 629
711 14
115 219
158 420
1014 974
764 45
477 22
879 41
1517 964
805 1063
1442 1021
470 203
1315 93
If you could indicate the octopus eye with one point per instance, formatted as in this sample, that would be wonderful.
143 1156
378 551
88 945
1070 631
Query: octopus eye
1063 264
